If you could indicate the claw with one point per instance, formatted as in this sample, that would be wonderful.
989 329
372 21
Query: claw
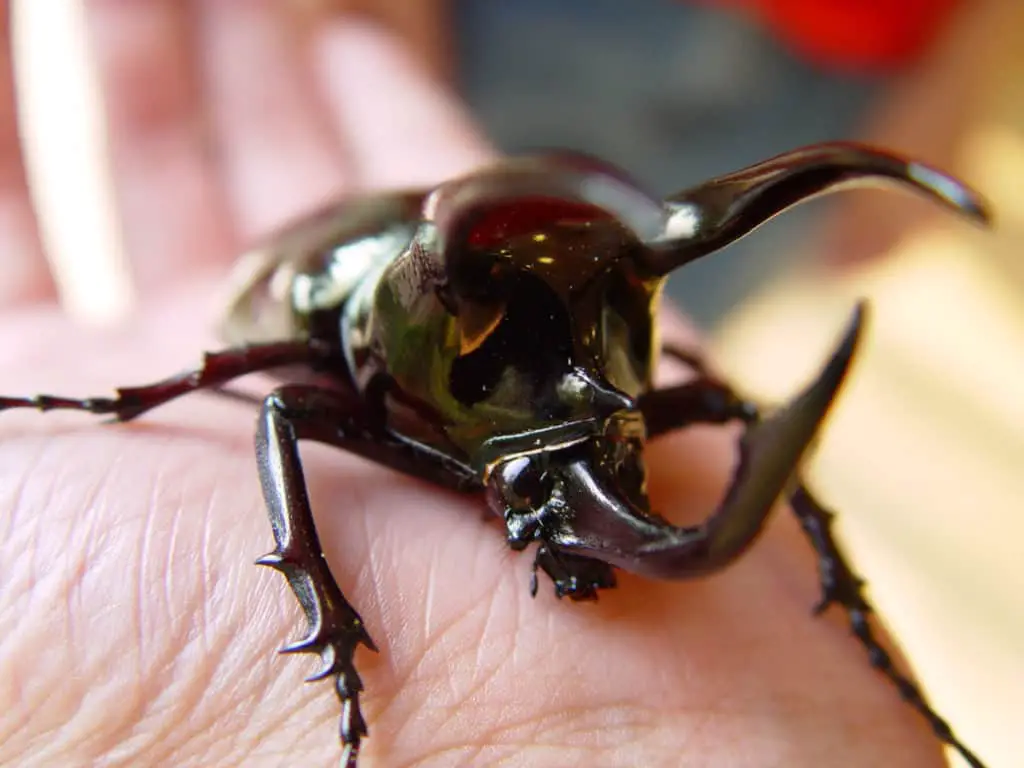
349 756
309 644
273 560
610 527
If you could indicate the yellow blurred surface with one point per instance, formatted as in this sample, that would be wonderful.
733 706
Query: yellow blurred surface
924 454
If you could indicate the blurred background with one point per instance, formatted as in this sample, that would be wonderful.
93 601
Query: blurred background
925 456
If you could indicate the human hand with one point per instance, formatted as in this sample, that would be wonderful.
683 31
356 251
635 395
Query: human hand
137 631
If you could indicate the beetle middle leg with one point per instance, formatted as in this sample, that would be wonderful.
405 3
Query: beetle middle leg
217 369
708 400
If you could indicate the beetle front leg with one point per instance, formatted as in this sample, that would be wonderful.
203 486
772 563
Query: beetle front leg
708 400
298 412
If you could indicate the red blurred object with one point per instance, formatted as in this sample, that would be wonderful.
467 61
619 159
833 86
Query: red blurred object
852 34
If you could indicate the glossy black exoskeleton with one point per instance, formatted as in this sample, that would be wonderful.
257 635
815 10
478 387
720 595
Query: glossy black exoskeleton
497 335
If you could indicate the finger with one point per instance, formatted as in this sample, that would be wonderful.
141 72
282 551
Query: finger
424 26
24 275
276 146
173 214
402 128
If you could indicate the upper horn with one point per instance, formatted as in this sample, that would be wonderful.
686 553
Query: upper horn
707 217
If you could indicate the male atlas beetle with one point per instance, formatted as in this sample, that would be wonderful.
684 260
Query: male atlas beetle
497 335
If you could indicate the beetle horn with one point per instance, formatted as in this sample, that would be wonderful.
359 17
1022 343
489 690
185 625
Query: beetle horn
609 527
705 218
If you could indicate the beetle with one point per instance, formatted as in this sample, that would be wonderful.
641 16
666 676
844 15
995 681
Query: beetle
497 335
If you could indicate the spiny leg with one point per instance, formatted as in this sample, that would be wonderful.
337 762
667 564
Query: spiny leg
708 400
216 369
299 412
841 586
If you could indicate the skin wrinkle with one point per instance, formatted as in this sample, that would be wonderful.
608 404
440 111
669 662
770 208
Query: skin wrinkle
144 563
154 708
312 706
483 677
573 728
94 545
216 657
150 518
136 739
421 679
20 484
479 683
213 657
574 719
315 713
423 676
22 552
531 734
204 742
43 580
428 606
168 581
159 627
488 638
264 686
79 557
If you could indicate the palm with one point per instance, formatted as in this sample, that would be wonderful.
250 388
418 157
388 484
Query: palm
139 631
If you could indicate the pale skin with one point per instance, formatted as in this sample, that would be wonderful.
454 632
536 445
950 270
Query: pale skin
136 630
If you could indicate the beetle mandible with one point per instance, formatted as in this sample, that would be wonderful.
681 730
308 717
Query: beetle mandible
496 335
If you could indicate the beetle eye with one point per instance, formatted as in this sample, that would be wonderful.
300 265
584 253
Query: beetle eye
530 484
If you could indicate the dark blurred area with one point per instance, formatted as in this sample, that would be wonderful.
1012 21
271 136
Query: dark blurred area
674 92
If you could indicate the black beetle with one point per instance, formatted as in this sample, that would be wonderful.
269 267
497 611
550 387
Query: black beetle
497 335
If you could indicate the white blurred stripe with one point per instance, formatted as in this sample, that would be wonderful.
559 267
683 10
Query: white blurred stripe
62 128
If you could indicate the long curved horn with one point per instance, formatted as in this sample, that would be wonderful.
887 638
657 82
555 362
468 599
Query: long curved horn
711 215
609 527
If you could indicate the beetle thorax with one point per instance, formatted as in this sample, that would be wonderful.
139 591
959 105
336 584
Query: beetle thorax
521 325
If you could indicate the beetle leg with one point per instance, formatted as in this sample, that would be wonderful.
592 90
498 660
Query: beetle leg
574 576
702 401
216 369
707 400
301 412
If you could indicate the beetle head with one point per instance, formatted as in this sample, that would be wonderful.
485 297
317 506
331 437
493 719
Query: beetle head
587 496
589 485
